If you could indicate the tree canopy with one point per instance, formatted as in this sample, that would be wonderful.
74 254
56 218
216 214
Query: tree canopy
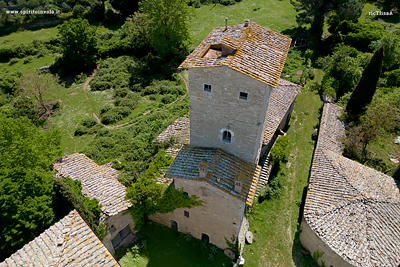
125 7
149 198
35 85
78 43
168 24
26 154
365 89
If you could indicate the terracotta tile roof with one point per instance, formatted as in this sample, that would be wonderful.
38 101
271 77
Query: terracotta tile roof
282 96
96 182
223 169
68 242
257 51
354 209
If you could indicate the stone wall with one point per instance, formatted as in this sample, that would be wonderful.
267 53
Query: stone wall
221 109
313 243
219 217
284 121
119 222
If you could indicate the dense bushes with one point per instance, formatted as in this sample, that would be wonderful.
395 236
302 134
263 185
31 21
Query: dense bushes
33 48
65 200
278 151
113 73
358 35
122 107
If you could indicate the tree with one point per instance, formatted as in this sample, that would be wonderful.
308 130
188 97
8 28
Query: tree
382 116
78 43
35 85
392 49
125 7
26 154
149 198
365 89
168 24
350 10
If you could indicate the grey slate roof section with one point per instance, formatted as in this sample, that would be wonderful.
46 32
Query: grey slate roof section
96 182
354 209
222 170
69 242
282 96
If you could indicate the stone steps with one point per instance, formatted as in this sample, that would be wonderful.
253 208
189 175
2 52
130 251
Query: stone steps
265 171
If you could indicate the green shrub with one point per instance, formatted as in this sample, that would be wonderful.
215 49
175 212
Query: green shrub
89 122
80 78
80 130
121 92
65 199
28 60
278 151
195 3
111 116
78 11
13 61
56 106
168 99
393 78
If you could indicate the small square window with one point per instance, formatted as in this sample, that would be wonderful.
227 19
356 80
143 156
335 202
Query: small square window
186 213
243 95
207 87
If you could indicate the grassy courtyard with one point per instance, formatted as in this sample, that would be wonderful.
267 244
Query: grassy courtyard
167 247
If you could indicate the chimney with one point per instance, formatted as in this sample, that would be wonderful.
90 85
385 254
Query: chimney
246 22
226 24
202 169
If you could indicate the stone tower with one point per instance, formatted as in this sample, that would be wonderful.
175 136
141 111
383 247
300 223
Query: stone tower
231 76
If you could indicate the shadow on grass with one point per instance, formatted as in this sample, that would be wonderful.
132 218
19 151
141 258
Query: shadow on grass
167 247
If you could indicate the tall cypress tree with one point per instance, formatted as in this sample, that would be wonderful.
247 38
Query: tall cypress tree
365 89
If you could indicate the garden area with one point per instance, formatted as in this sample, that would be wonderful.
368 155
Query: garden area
158 245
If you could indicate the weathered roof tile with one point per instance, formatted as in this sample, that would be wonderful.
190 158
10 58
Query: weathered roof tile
354 209
60 246
258 51
223 169
282 96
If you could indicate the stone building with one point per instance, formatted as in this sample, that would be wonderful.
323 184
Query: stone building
352 212
70 242
99 182
237 104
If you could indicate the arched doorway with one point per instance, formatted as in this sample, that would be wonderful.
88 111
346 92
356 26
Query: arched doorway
205 238
174 225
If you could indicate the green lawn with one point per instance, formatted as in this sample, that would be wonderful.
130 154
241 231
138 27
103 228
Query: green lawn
76 105
275 15
17 38
275 222
35 64
169 248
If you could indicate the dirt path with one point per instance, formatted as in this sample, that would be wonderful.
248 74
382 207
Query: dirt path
90 77
126 124
187 90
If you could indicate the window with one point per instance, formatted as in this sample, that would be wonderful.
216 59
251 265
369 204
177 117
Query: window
226 137
186 193
207 87
186 213
243 95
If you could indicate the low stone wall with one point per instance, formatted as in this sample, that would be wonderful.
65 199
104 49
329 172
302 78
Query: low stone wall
313 243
